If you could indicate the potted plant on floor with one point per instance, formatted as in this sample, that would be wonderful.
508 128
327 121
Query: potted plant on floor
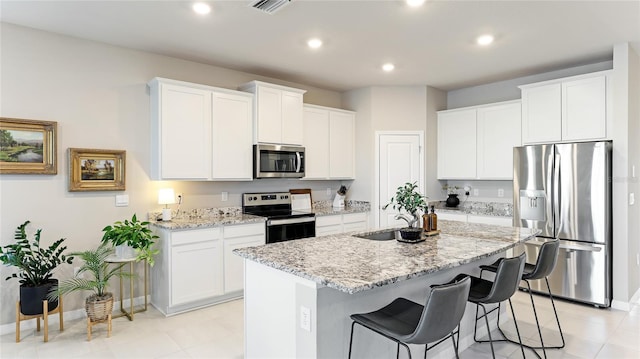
99 304
36 265
408 198
132 233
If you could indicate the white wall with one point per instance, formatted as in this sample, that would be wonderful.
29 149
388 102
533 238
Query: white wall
508 90
97 93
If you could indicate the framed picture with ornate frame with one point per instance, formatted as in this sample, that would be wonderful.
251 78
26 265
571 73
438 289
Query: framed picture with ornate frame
28 146
96 170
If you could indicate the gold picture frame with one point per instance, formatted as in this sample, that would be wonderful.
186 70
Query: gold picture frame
28 146
96 170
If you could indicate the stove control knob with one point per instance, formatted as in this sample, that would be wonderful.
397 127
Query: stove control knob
255 198
286 197
250 198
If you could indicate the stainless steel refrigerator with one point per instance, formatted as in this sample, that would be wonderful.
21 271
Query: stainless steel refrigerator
565 191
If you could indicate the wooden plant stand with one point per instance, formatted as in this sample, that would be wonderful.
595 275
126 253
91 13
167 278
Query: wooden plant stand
90 325
45 316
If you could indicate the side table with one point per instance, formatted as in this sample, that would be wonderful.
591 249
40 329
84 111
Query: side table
123 312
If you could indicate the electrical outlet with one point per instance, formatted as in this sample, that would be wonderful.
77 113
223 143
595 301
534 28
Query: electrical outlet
476 192
500 192
328 191
225 196
305 318
179 198
632 199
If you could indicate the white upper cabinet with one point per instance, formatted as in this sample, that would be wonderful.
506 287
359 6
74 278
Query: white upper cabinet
200 132
457 144
181 132
568 109
232 144
278 113
316 142
498 131
584 111
477 142
329 141
541 114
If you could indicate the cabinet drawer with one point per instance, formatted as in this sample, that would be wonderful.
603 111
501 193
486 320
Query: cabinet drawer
244 230
498 221
354 217
328 230
328 220
452 216
194 236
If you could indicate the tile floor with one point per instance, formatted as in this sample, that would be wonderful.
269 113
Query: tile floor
217 332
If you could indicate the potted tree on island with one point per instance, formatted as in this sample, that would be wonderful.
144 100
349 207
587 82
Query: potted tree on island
36 265
408 198
132 233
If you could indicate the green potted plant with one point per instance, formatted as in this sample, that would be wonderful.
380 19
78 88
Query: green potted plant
99 304
36 265
410 200
135 234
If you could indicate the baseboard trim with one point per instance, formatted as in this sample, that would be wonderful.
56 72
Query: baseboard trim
68 315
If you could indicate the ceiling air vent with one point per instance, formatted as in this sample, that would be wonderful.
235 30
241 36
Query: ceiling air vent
269 6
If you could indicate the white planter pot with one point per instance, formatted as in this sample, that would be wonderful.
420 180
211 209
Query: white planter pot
125 252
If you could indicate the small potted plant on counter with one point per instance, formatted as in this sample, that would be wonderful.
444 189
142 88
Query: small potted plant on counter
408 198
132 233
36 265
452 195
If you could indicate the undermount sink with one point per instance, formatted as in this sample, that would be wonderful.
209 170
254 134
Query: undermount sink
381 236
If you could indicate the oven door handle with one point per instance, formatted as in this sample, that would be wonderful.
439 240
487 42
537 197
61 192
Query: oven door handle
276 222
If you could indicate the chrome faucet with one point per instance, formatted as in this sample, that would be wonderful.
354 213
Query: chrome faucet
409 218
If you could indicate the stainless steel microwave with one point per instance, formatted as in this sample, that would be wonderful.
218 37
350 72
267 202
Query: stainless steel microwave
277 161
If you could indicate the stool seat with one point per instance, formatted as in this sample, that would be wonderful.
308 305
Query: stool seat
398 319
545 263
407 322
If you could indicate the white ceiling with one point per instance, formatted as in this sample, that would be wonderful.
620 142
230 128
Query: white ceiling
432 45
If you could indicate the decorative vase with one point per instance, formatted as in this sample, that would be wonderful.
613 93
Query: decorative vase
125 252
31 298
453 200
98 309
410 233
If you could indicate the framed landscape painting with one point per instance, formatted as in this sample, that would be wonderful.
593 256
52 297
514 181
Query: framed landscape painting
96 170
27 146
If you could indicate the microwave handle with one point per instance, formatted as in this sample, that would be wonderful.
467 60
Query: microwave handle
299 161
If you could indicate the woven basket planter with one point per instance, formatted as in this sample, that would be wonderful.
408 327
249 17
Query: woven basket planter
99 309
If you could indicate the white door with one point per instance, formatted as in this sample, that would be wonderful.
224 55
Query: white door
400 161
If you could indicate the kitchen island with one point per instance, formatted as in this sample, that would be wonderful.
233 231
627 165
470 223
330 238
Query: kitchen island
299 294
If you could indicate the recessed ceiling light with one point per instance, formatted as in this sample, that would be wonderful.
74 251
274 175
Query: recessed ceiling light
484 40
414 3
388 67
314 43
201 8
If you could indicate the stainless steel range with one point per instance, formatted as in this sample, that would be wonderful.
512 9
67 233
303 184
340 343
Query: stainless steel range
282 223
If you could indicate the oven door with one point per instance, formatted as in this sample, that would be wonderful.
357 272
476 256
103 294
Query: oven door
275 161
280 230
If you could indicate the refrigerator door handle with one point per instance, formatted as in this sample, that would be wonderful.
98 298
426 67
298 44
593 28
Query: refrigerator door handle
557 185
578 247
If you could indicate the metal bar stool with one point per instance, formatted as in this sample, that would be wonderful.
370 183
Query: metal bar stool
406 322
545 263
504 285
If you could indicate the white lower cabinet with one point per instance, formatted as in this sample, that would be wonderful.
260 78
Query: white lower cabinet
197 267
447 216
235 237
341 223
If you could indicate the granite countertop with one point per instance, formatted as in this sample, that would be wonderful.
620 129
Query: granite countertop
212 217
352 264
496 209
